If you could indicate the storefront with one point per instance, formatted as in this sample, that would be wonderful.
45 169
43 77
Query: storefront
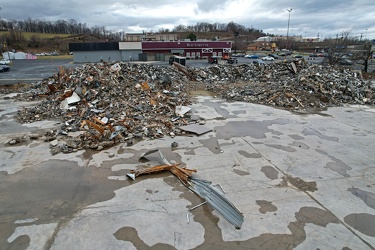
191 49
147 50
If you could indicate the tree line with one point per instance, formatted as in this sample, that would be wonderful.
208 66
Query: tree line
42 26
71 26
236 28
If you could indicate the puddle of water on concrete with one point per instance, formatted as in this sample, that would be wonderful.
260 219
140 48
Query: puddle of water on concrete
189 152
266 206
317 216
238 112
284 148
296 137
130 234
254 129
364 223
247 155
337 165
218 106
367 197
299 145
51 192
22 242
270 172
240 172
213 145
309 131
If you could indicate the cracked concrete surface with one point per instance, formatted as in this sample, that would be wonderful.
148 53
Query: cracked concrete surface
303 181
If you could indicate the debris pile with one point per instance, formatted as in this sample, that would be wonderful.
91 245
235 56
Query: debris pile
289 85
106 103
110 103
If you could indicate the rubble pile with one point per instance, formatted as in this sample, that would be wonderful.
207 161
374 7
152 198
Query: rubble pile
289 85
109 103
106 103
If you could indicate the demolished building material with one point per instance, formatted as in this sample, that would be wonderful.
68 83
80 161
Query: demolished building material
113 103
128 102
202 188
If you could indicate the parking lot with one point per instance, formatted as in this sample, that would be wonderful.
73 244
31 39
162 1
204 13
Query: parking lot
27 71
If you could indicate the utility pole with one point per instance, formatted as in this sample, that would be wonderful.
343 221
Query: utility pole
287 32
235 41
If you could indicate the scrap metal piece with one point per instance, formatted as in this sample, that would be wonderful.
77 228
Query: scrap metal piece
202 188
205 190
190 209
91 124
161 159
134 173
196 129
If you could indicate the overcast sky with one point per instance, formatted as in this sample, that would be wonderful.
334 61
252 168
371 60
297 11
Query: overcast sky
307 18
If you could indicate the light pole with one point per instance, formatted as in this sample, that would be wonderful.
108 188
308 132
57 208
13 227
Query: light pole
287 32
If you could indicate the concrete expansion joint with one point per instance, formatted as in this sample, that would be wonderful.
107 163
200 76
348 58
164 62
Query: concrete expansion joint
62 222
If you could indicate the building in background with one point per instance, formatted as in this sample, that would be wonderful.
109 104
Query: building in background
148 50
149 36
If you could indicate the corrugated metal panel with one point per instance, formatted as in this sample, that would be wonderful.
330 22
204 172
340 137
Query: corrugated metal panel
216 199
93 46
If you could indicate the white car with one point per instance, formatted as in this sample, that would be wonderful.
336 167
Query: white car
5 62
268 58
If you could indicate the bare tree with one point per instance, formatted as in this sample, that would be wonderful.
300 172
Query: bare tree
337 47
363 55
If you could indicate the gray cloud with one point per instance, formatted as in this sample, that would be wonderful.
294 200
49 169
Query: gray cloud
308 17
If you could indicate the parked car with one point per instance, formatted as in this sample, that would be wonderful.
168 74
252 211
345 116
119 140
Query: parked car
258 62
282 54
274 56
225 57
313 55
5 62
345 62
297 56
268 58
4 68
252 56
232 60
213 59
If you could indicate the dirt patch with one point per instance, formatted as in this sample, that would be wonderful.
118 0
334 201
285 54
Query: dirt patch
298 183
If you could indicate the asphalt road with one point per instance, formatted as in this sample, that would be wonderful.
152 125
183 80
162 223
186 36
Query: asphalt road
28 71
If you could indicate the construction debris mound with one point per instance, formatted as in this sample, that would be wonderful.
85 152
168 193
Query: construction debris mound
106 103
109 103
291 85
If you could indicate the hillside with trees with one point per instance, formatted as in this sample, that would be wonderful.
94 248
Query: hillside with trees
39 35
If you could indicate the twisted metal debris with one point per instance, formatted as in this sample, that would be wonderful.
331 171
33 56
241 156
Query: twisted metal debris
202 188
